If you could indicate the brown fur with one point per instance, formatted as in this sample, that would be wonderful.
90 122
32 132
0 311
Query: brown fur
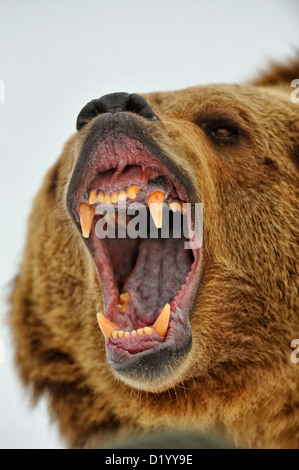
239 379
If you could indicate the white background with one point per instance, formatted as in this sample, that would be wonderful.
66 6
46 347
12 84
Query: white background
55 55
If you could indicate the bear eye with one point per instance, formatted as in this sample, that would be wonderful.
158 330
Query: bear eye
222 132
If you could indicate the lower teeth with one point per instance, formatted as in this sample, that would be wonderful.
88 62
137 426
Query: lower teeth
160 326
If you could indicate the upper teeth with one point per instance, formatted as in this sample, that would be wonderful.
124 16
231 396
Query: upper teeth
114 197
155 203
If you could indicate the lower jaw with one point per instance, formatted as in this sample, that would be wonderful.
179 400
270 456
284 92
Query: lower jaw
158 362
153 370
163 364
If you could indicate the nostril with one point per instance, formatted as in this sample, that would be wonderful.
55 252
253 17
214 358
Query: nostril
114 103
88 112
137 104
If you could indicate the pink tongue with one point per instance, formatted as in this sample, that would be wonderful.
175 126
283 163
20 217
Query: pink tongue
134 174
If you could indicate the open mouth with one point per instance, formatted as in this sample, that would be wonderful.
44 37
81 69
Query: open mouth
135 216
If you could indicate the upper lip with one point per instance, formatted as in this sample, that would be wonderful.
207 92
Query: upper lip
91 161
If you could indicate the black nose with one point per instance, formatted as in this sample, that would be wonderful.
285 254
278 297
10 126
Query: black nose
115 103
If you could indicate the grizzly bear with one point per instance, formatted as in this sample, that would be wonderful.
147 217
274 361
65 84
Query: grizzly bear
128 332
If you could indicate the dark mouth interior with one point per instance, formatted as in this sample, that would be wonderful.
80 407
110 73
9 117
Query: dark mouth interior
152 271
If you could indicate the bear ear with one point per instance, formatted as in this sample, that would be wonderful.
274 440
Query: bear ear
286 76
280 73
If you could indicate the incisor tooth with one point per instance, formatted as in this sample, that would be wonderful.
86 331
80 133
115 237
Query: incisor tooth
148 330
134 333
92 196
127 334
100 197
132 191
140 331
86 217
114 334
114 198
107 327
155 204
107 198
161 324
122 195
175 206
121 334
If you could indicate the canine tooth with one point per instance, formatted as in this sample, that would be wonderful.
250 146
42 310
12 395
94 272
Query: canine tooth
114 198
122 195
127 334
92 196
161 324
121 334
155 203
86 217
148 330
140 331
132 191
107 198
107 327
101 197
124 297
134 333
